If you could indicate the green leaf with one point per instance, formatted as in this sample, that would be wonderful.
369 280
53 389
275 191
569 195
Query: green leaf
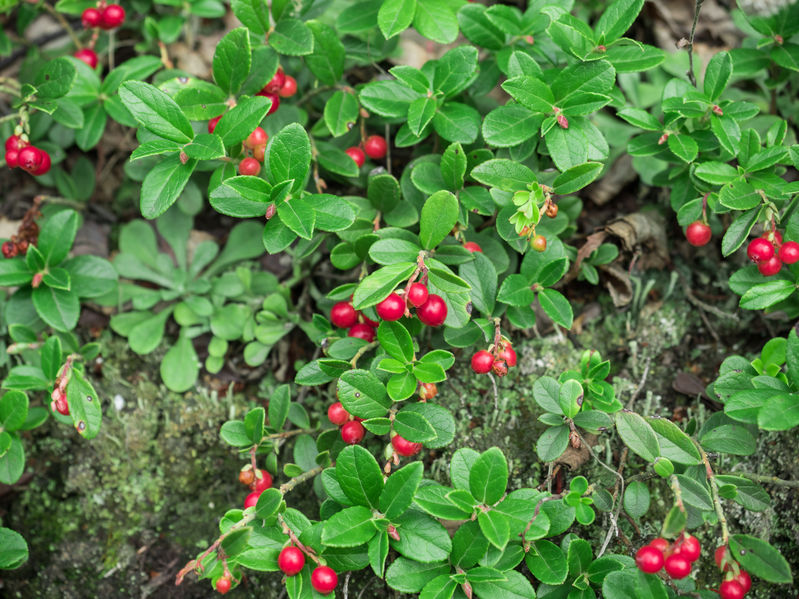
350 527
570 398
359 476
232 59
205 146
637 435
395 340
395 16
577 177
376 287
457 122
252 13
674 443
495 527
455 70
156 111
440 418
413 427
180 366
640 118
453 166
239 122
84 406
717 75
378 552
760 559
636 499
327 59
767 294
729 438
410 576
298 215
421 537
516 291
94 120
13 549
387 98
14 272
14 408
557 307
362 394
717 173
55 78
58 308
488 477
503 174
567 147
616 19
399 490
154 148
695 493
530 92
436 20
515 587
57 236
341 113
547 562
683 147
738 231
289 156
780 413
510 125
292 37
552 443
51 354
163 185
481 276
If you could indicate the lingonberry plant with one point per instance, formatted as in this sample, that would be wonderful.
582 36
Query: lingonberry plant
427 210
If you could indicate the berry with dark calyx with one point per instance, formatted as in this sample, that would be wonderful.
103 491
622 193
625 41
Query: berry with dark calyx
774 237
262 482
291 560
391 308
352 432
375 147
44 167
433 312
289 87
404 447
276 83
689 548
324 579
649 560
257 138
113 16
246 476
88 56
30 158
363 331
337 414
90 18
251 499
770 267
343 315
744 580
539 243
698 233
9 250
482 362
357 155
249 166
722 553
499 368
12 158
212 123
472 247
427 391
508 354
759 250
223 585
789 252
417 294
677 566
660 544
731 589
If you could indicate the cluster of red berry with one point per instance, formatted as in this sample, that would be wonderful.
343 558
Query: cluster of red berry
676 558
375 147
498 361
737 581
770 253
280 86
344 316
105 16
352 430
19 153
291 561
257 480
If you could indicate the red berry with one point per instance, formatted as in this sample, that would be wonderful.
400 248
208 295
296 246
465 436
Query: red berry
789 252
375 147
223 585
324 579
337 414
9 250
275 100
112 17
391 308
759 250
212 123
509 355
770 267
404 447
289 87
689 548
343 315
90 18
30 158
44 167
677 566
473 247
357 155
744 580
428 391
352 432
731 589
660 544
12 158
433 312
258 153
257 138
263 482
417 294
251 499
723 554
14 143
369 321
482 362
88 56
291 560
649 560
539 243
249 166
276 83
698 234
363 331
499 368
246 476
61 405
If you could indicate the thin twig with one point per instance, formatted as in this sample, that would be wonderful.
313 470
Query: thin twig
762 478
691 75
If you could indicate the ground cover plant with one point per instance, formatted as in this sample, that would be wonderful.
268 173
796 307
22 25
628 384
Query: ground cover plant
332 254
